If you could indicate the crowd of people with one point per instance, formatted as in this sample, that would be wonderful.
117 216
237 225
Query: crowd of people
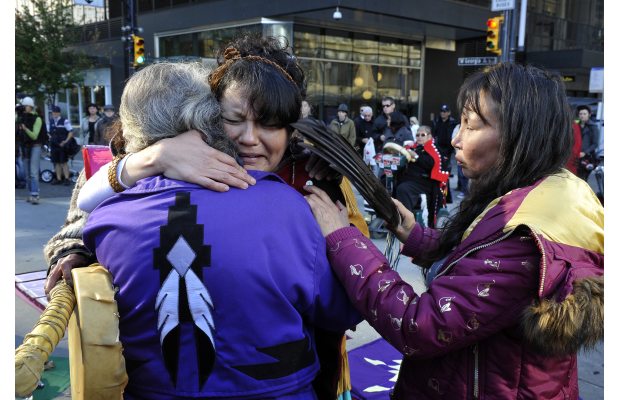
241 277
34 132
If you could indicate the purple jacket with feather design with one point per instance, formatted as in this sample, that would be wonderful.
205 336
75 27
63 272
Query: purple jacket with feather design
509 308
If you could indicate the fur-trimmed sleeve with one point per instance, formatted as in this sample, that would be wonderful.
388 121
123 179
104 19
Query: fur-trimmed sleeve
69 239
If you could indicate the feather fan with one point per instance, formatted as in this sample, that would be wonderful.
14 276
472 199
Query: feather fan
341 156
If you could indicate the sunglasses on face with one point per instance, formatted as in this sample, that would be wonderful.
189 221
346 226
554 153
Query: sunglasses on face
386 105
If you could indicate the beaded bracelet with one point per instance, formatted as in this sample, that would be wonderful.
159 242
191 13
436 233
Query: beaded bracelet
116 186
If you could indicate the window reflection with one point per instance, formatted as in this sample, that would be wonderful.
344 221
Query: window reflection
337 47
340 67
366 50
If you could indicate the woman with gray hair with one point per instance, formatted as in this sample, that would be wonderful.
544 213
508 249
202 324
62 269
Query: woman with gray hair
210 283
162 101
166 99
259 86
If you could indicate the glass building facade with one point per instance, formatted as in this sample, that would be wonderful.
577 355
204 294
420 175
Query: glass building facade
341 67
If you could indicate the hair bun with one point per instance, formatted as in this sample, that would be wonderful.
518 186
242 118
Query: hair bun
231 53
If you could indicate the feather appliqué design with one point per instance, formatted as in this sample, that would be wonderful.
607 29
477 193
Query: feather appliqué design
183 299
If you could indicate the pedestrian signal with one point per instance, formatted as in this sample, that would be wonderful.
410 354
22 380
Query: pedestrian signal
493 28
138 51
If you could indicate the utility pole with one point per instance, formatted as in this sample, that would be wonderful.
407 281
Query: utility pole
129 29
507 36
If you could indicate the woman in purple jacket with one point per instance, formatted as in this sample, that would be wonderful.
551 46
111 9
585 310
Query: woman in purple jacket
515 280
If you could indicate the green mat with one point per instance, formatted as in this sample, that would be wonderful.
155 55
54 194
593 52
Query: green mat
56 380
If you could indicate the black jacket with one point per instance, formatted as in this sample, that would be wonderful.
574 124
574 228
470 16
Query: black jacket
442 132
589 138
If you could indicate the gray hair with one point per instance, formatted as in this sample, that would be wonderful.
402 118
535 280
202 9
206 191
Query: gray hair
426 129
366 110
166 99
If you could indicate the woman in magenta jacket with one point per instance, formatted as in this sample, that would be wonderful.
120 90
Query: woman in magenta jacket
515 280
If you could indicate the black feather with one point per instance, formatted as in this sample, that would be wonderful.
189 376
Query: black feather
341 156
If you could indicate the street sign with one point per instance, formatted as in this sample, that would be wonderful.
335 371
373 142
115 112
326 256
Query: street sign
596 80
475 61
502 5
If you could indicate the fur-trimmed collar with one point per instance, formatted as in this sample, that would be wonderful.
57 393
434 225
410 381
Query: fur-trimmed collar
554 328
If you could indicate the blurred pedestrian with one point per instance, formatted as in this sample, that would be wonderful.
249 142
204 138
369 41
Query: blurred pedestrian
589 141
443 126
61 132
20 171
88 123
343 125
363 127
34 135
414 124
109 117
388 106
422 176
306 109
397 130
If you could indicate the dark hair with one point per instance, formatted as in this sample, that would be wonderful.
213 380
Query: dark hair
274 99
584 107
536 138
92 105
397 121
391 99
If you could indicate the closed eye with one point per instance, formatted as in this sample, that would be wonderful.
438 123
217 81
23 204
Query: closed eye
231 121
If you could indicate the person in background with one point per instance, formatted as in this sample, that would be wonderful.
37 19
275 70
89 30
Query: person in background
443 126
388 106
397 130
515 284
343 125
414 124
423 175
363 127
61 132
34 133
109 117
306 109
88 123
20 170
589 140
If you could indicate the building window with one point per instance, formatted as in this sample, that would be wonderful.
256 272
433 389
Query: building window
356 69
204 44
340 66
566 24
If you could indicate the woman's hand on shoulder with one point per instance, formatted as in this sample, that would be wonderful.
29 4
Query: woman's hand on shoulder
330 216
187 157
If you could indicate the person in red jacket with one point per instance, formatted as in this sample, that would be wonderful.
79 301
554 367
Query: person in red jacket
515 280
573 161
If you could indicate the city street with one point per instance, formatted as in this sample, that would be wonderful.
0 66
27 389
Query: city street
35 224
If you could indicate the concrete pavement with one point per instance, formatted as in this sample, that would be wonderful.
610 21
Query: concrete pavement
35 224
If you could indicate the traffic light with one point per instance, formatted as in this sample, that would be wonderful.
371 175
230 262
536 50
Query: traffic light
493 28
138 51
